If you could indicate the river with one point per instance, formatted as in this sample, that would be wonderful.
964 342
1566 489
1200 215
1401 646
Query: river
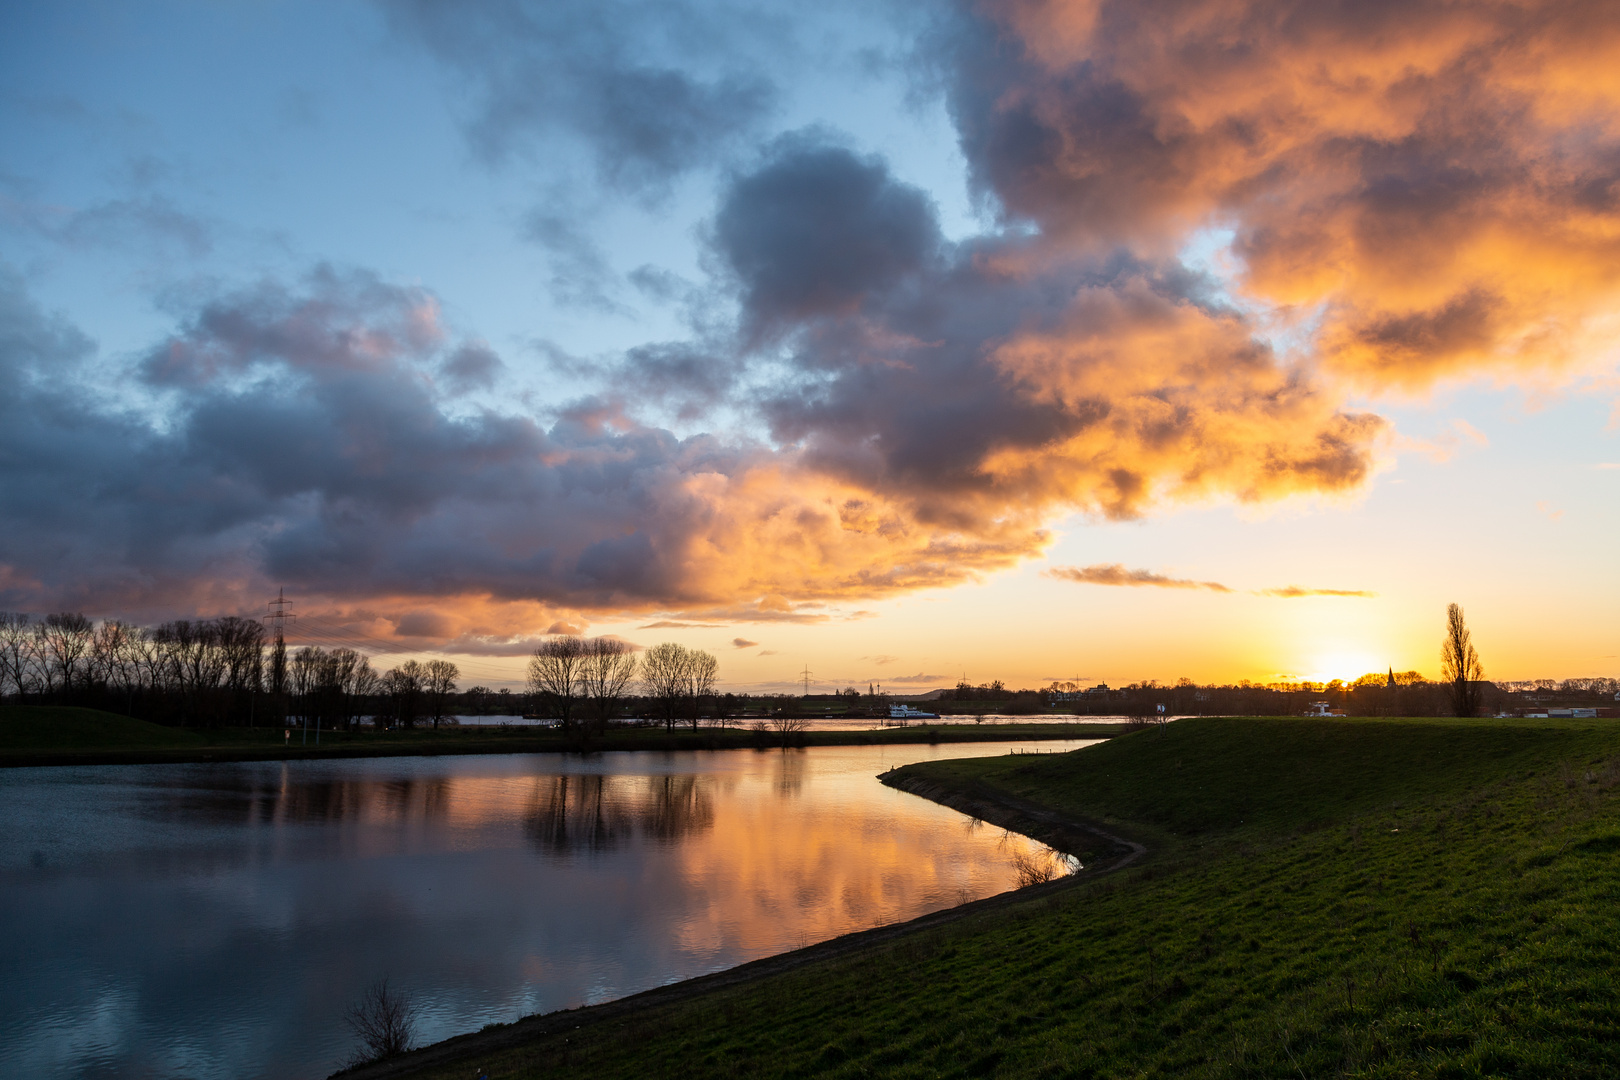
216 920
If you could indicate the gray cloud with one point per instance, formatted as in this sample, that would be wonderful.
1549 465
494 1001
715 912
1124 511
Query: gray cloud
817 229
146 223
580 272
743 643
690 377
655 89
473 366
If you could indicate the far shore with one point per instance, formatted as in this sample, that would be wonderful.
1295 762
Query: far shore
32 736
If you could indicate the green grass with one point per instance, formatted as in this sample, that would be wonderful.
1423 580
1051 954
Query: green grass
37 734
1366 898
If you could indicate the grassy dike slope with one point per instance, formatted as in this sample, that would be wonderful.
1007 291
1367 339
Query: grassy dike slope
1372 898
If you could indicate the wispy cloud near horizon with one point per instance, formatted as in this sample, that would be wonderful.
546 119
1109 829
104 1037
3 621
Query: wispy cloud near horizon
1116 574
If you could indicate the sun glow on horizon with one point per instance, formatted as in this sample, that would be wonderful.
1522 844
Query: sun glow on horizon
1344 666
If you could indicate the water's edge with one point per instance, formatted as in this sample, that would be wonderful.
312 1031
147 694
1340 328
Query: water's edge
478 744
1069 835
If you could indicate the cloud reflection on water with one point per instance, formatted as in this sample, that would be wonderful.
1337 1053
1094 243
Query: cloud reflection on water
215 921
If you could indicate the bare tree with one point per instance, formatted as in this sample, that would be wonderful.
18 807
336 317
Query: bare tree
555 670
664 675
359 682
146 658
241 645
439 680
384 1020
64 644
114 659
609 666
304 678
786 721
403 685
17 654
701 669
192 659
1459 664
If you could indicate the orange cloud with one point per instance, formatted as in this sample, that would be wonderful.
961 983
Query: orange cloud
1433 183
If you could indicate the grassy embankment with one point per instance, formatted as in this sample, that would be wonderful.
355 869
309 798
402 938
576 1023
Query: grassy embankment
1369 898
51 735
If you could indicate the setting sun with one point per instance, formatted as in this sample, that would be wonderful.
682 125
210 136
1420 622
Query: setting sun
1344 666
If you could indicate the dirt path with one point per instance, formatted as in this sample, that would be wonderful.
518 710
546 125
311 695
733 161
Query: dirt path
1071 836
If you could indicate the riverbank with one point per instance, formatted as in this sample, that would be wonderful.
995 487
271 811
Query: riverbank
1318 897
56 735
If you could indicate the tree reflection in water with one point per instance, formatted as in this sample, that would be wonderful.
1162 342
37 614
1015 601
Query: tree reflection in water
789 772
590 812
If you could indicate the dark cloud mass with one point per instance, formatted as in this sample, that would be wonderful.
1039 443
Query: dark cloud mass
305 441
818 229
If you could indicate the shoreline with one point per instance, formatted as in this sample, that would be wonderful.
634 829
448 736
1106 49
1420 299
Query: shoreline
462 742
1006 811
1064 834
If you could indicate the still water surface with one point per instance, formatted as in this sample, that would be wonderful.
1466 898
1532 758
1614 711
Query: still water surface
216 920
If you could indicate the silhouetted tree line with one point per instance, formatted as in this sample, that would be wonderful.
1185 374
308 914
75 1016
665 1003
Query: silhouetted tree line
1372 695
210 673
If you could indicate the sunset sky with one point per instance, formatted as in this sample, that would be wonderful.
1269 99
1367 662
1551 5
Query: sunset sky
901 341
